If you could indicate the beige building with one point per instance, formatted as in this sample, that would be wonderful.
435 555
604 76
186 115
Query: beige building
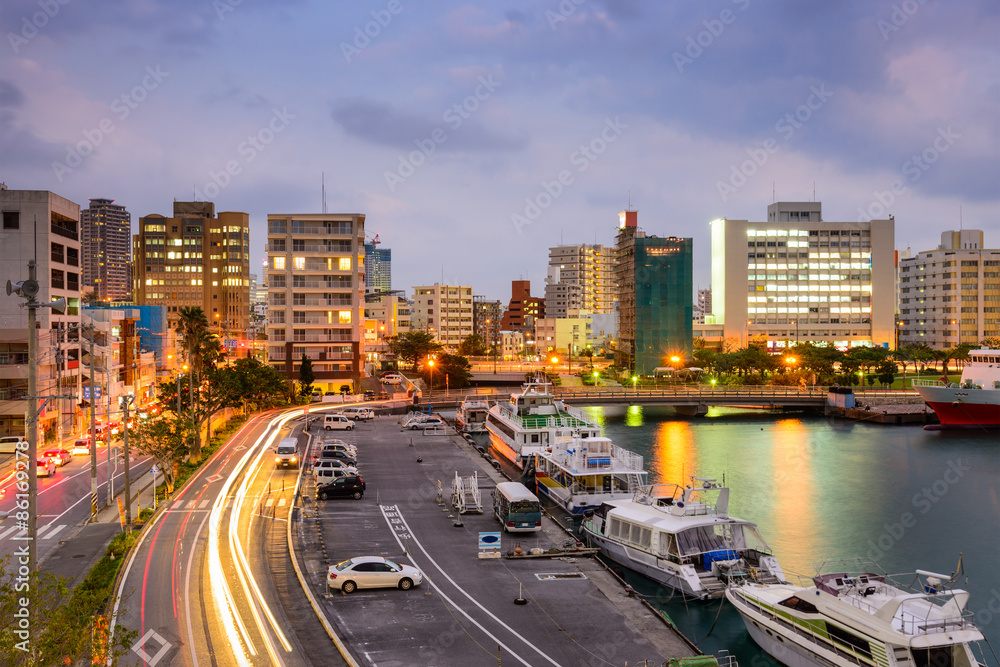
196 259
42 226
798 277
443 310
592 268
316 304
951 295
561 334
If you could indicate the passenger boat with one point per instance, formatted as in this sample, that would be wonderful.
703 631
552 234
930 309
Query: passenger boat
857 615
682 537
972 403
532 420
471 415
580 474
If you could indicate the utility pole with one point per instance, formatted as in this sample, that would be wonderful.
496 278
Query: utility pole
107 436
93 432
59 365
126 403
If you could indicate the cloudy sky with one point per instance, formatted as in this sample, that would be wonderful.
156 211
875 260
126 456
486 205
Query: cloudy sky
476 135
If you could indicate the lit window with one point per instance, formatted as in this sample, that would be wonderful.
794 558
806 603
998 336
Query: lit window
345 315
279 263
345 265
299 263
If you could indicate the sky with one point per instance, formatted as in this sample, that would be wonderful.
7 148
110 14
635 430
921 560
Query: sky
474 136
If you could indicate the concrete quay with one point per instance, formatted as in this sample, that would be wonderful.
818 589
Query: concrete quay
464 613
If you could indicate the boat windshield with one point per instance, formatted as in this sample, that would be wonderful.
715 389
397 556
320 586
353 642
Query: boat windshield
704 539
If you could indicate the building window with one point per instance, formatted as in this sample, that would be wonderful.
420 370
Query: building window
57 253
57 279
279 263
345 264
278 281
345 317
11 219
299 263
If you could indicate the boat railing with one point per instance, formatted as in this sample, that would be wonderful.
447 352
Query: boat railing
568 420
924 382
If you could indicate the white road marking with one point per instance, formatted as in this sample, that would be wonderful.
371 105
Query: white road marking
53 533
139 648
7 532
269 502
281 502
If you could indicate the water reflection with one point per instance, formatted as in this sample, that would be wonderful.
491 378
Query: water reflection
674 453
633 415
792 495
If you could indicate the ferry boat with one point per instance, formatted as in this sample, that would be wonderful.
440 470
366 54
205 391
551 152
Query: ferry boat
682 537
972 403
471 415
532 420
580 474
860 616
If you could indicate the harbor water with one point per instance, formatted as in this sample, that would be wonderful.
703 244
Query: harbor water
822 489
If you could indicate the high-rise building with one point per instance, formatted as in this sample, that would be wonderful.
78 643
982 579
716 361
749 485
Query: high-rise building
105 244
41 226
316 304
443 310
592 268
798 277
523 309
378 268
196 259
951 295
703 305
486 317
654 287
562 298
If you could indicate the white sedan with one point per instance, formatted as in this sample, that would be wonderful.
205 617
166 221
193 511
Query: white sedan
372 572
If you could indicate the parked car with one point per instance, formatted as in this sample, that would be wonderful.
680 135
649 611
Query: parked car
345 487
351 450
337 423
372 572
60 456
369 395
358 413
337 464
337 455
46 466
427 422
325 475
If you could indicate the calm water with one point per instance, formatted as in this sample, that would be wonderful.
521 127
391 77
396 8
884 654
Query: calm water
822 489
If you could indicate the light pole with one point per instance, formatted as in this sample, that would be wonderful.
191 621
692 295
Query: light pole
430 383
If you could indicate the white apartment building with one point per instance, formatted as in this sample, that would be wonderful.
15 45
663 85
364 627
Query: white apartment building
39 225
443 310
950 295
592 268
316 306
561 297
512 345
798 277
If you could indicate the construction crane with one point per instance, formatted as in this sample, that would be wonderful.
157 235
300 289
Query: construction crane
373 239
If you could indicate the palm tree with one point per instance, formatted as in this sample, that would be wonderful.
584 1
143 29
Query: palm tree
192 325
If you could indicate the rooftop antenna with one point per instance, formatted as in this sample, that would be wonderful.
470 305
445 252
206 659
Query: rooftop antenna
323 189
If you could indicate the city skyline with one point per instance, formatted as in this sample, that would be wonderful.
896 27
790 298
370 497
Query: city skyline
478 138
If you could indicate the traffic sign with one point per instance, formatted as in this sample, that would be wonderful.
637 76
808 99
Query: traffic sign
97 393
154 470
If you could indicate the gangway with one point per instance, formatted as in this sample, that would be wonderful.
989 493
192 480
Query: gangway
465 495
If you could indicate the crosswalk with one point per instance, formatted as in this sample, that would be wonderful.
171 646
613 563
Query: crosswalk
44 532
188 505
270 502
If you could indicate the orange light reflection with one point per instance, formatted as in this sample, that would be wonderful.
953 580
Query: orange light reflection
674 455
794 534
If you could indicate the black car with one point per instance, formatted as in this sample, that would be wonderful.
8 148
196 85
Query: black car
351 486
338 454
369 395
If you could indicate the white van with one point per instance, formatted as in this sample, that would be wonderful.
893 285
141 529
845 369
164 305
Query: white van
286 455
8 443
328 474
358 413
337 423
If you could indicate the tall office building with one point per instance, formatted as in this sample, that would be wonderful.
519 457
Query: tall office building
443 310
798 277
486 317
951 295
592 268
378 269
196 259
105 244
316 303
653 277
42 226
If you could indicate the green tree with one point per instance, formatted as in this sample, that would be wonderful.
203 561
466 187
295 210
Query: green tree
886 371
167 439
249 381
451 370
413 346
472 346
306 375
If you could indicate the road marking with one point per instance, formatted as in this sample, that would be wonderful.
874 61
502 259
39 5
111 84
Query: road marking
53 533
203 504
269 502
8 532
408 534
281 502
139 647
213 478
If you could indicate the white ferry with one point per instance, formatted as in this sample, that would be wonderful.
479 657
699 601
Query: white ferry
532 420
850 616
682 537
471 415
972 403
580 474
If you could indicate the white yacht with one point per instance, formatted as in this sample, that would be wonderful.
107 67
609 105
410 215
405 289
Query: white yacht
972 403
532 420
857 615
682 537
580 474
471 415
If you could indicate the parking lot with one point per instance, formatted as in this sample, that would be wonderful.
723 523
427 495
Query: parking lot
464 612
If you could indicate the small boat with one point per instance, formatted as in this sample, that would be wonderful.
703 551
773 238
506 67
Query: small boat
853 614
682 537
580 474
532 420
972 403
471 415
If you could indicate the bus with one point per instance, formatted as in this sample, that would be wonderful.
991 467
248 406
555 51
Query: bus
517 508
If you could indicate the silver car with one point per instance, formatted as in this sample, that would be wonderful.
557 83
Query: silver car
372 572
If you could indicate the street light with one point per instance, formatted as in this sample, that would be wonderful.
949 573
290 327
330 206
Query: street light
635 378
789 362
430 387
